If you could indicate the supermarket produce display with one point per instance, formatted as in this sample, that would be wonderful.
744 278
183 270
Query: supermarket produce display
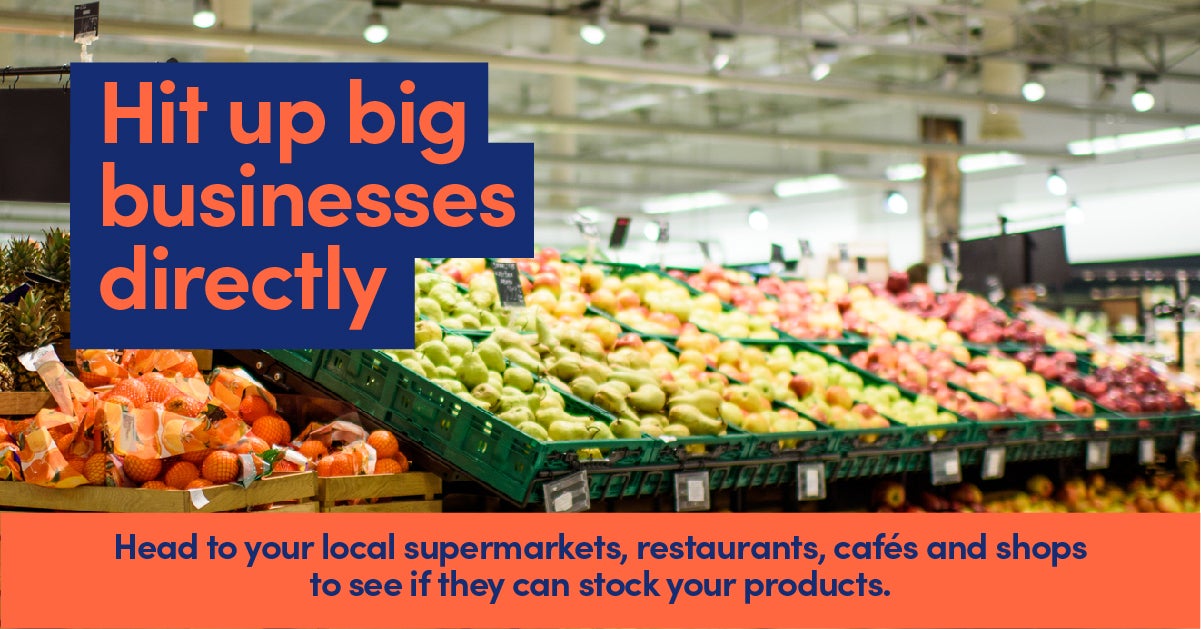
630 375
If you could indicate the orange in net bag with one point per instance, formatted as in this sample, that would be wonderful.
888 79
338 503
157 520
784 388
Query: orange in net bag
167 361
152 433
99 367
72 396
41 461
231 387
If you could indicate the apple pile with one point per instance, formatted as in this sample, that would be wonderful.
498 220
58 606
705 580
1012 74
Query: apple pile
1124 385
890 497
874 315
1162 493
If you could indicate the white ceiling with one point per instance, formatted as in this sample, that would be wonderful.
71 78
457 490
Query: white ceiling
614 101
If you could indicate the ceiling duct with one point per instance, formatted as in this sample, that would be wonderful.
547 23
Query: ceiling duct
1001 78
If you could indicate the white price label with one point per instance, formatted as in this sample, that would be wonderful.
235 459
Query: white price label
1097 455
198 497
812 482
1146 451
944 467
563 502
994 463
696 491
1188 441
951 467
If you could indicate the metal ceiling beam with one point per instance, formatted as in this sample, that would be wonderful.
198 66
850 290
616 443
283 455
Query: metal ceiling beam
736 172
848 144
611 71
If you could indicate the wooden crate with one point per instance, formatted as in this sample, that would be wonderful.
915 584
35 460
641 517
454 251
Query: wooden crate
24 403
411 492
297 490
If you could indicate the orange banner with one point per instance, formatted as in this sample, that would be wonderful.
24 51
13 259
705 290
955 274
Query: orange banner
599 570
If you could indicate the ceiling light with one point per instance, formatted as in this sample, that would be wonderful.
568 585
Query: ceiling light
686 202
825 55
895 202
719 49
808 185
594 31
1074 215
202 14
905 172
982 162
1109 85
819 71
719 61
651 231
1141 99
1056 184
375 32
756 219
1033 89
589 213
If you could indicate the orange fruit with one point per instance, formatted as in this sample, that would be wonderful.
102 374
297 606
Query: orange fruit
153 406
220 467
253 407
184 405
384 442
120 399
387 466
154 484
195 456
93 380
282 465
251 444
180 474
272 429
187 368
199 483
95 468
402 460
313 450
337 464
158 388
133 390
77 463
63 442
140 470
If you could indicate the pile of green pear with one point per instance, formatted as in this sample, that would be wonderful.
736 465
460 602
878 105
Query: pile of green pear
498 380
440 300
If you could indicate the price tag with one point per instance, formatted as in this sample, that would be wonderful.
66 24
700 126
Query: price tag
1146 451
806 249
994 463
777 253
663 237
844 252
567 494
861 264
87 23
508 284
588 229
1096 455
944 467
811 481
692 491
705 253
621 231
1188 443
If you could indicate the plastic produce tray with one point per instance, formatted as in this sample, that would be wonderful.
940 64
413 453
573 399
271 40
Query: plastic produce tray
305 362
471 438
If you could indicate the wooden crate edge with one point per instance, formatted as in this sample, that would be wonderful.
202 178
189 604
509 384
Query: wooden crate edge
403 506
24 403
409 484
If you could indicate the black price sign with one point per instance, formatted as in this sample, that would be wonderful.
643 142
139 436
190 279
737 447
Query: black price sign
87 22
508 284
777 253
621 231
861 264
705 252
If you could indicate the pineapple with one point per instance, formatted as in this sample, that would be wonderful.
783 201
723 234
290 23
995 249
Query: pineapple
57 264
33 325
19 255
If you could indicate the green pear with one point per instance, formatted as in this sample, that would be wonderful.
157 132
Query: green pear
492 355
517 415
519 378
706 401
436 351
599 430
487 394
551 400
457 344
496 380
756 423
469 322
480 299
678 431
731 414
445 372
414 365
429 309
651 428
596 370
522 359
566 430
695 420
450 384
623 428
647 399
426 281
509 402
426 331
659 420
489 321
566 368
473 372
584 387
635 379
610 397
534 429
453 323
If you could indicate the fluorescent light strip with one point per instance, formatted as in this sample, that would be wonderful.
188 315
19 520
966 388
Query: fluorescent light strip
1105 145
686 202
977 163
905 172
808 185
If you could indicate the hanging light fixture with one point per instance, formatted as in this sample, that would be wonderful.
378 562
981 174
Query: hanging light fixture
720 52
825 55
756 219
1143 100
895 202
594 31
202 14
1033 89
1109 85
1056 184
1074 215
651 231
375 32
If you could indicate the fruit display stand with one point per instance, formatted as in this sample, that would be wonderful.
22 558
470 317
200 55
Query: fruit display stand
278 494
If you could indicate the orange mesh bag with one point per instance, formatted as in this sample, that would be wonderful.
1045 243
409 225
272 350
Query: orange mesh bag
166 361
41 461
230 387
98 367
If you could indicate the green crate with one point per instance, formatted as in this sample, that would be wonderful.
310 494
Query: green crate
881 463
468 437
303 361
